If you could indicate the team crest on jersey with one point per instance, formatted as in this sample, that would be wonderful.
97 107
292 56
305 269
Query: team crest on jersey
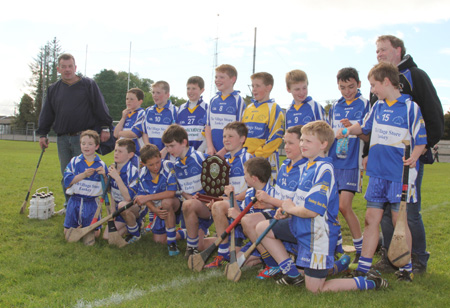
358 115
231 110
166 121
307 119
307 185
261 118
398 121
292 184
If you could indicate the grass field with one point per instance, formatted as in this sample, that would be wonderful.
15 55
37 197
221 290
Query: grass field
39 269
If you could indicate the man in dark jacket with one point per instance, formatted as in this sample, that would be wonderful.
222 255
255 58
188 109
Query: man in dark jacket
72 104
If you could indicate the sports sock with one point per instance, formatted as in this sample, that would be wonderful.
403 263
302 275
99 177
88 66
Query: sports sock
171 235
192 242
182 233
268 259
364 264
288 267
407 267
363 284
224 250
151 216
134 230
358 244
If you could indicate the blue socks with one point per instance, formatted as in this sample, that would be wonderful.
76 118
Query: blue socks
358 244
363 284
268 260
364 264
171 235
192 242
288 267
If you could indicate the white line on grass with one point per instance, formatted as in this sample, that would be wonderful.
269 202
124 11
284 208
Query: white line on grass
134 293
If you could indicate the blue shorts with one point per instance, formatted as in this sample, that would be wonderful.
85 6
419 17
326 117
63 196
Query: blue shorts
348 179
382 191
314 273
159 225
80 212
282 231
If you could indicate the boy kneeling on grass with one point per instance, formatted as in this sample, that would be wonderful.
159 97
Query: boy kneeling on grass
157 189
83 183
311 220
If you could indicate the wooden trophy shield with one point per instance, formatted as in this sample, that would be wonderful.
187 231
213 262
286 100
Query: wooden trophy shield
215 176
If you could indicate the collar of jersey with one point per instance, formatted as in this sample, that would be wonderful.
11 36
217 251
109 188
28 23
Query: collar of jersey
307 99
257 104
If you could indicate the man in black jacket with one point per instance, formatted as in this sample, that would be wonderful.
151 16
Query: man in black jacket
417 84
72 104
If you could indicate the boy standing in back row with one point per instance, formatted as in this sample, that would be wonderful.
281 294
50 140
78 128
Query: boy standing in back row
265 122
303 108
349 109
226 107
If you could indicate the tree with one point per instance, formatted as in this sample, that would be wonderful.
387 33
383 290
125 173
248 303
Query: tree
328 104
446 126
26 112
44 73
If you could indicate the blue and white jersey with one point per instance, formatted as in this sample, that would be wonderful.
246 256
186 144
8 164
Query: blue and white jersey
288 179
130 121
251 193
390 123
130 177
236 164
87 187
224 110
188 172
317 192
163 182
354 111
155 122
194 121
309 110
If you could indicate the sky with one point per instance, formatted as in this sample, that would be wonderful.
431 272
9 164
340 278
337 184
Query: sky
173 40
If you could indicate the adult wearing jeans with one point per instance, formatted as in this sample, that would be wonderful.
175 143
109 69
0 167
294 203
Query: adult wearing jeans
73 104
416 83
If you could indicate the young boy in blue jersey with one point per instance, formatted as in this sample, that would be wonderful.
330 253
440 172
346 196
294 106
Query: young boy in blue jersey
303 108
392 119
188 171
156 118
311 220
131 115
226 107
154 122
83 183
287 181
234 135
157 189
349 109
124 185
265 122
192 115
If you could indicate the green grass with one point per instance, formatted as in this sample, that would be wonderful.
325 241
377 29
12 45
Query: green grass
39 269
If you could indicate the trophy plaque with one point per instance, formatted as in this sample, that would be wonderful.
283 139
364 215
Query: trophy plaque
215 176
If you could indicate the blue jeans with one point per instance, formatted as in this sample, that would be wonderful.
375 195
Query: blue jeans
415 223
68 147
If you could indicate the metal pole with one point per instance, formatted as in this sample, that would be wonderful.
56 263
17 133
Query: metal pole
254 52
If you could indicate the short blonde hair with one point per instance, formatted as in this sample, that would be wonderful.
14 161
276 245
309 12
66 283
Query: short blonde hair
385 70
163 85
92 134
266 78
322 130
295 76
228 69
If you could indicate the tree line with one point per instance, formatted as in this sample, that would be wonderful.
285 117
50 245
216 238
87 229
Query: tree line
113 85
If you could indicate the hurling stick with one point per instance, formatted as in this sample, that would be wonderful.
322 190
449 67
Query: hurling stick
197 261
234 269
232 239
399 253
24 204
75 234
